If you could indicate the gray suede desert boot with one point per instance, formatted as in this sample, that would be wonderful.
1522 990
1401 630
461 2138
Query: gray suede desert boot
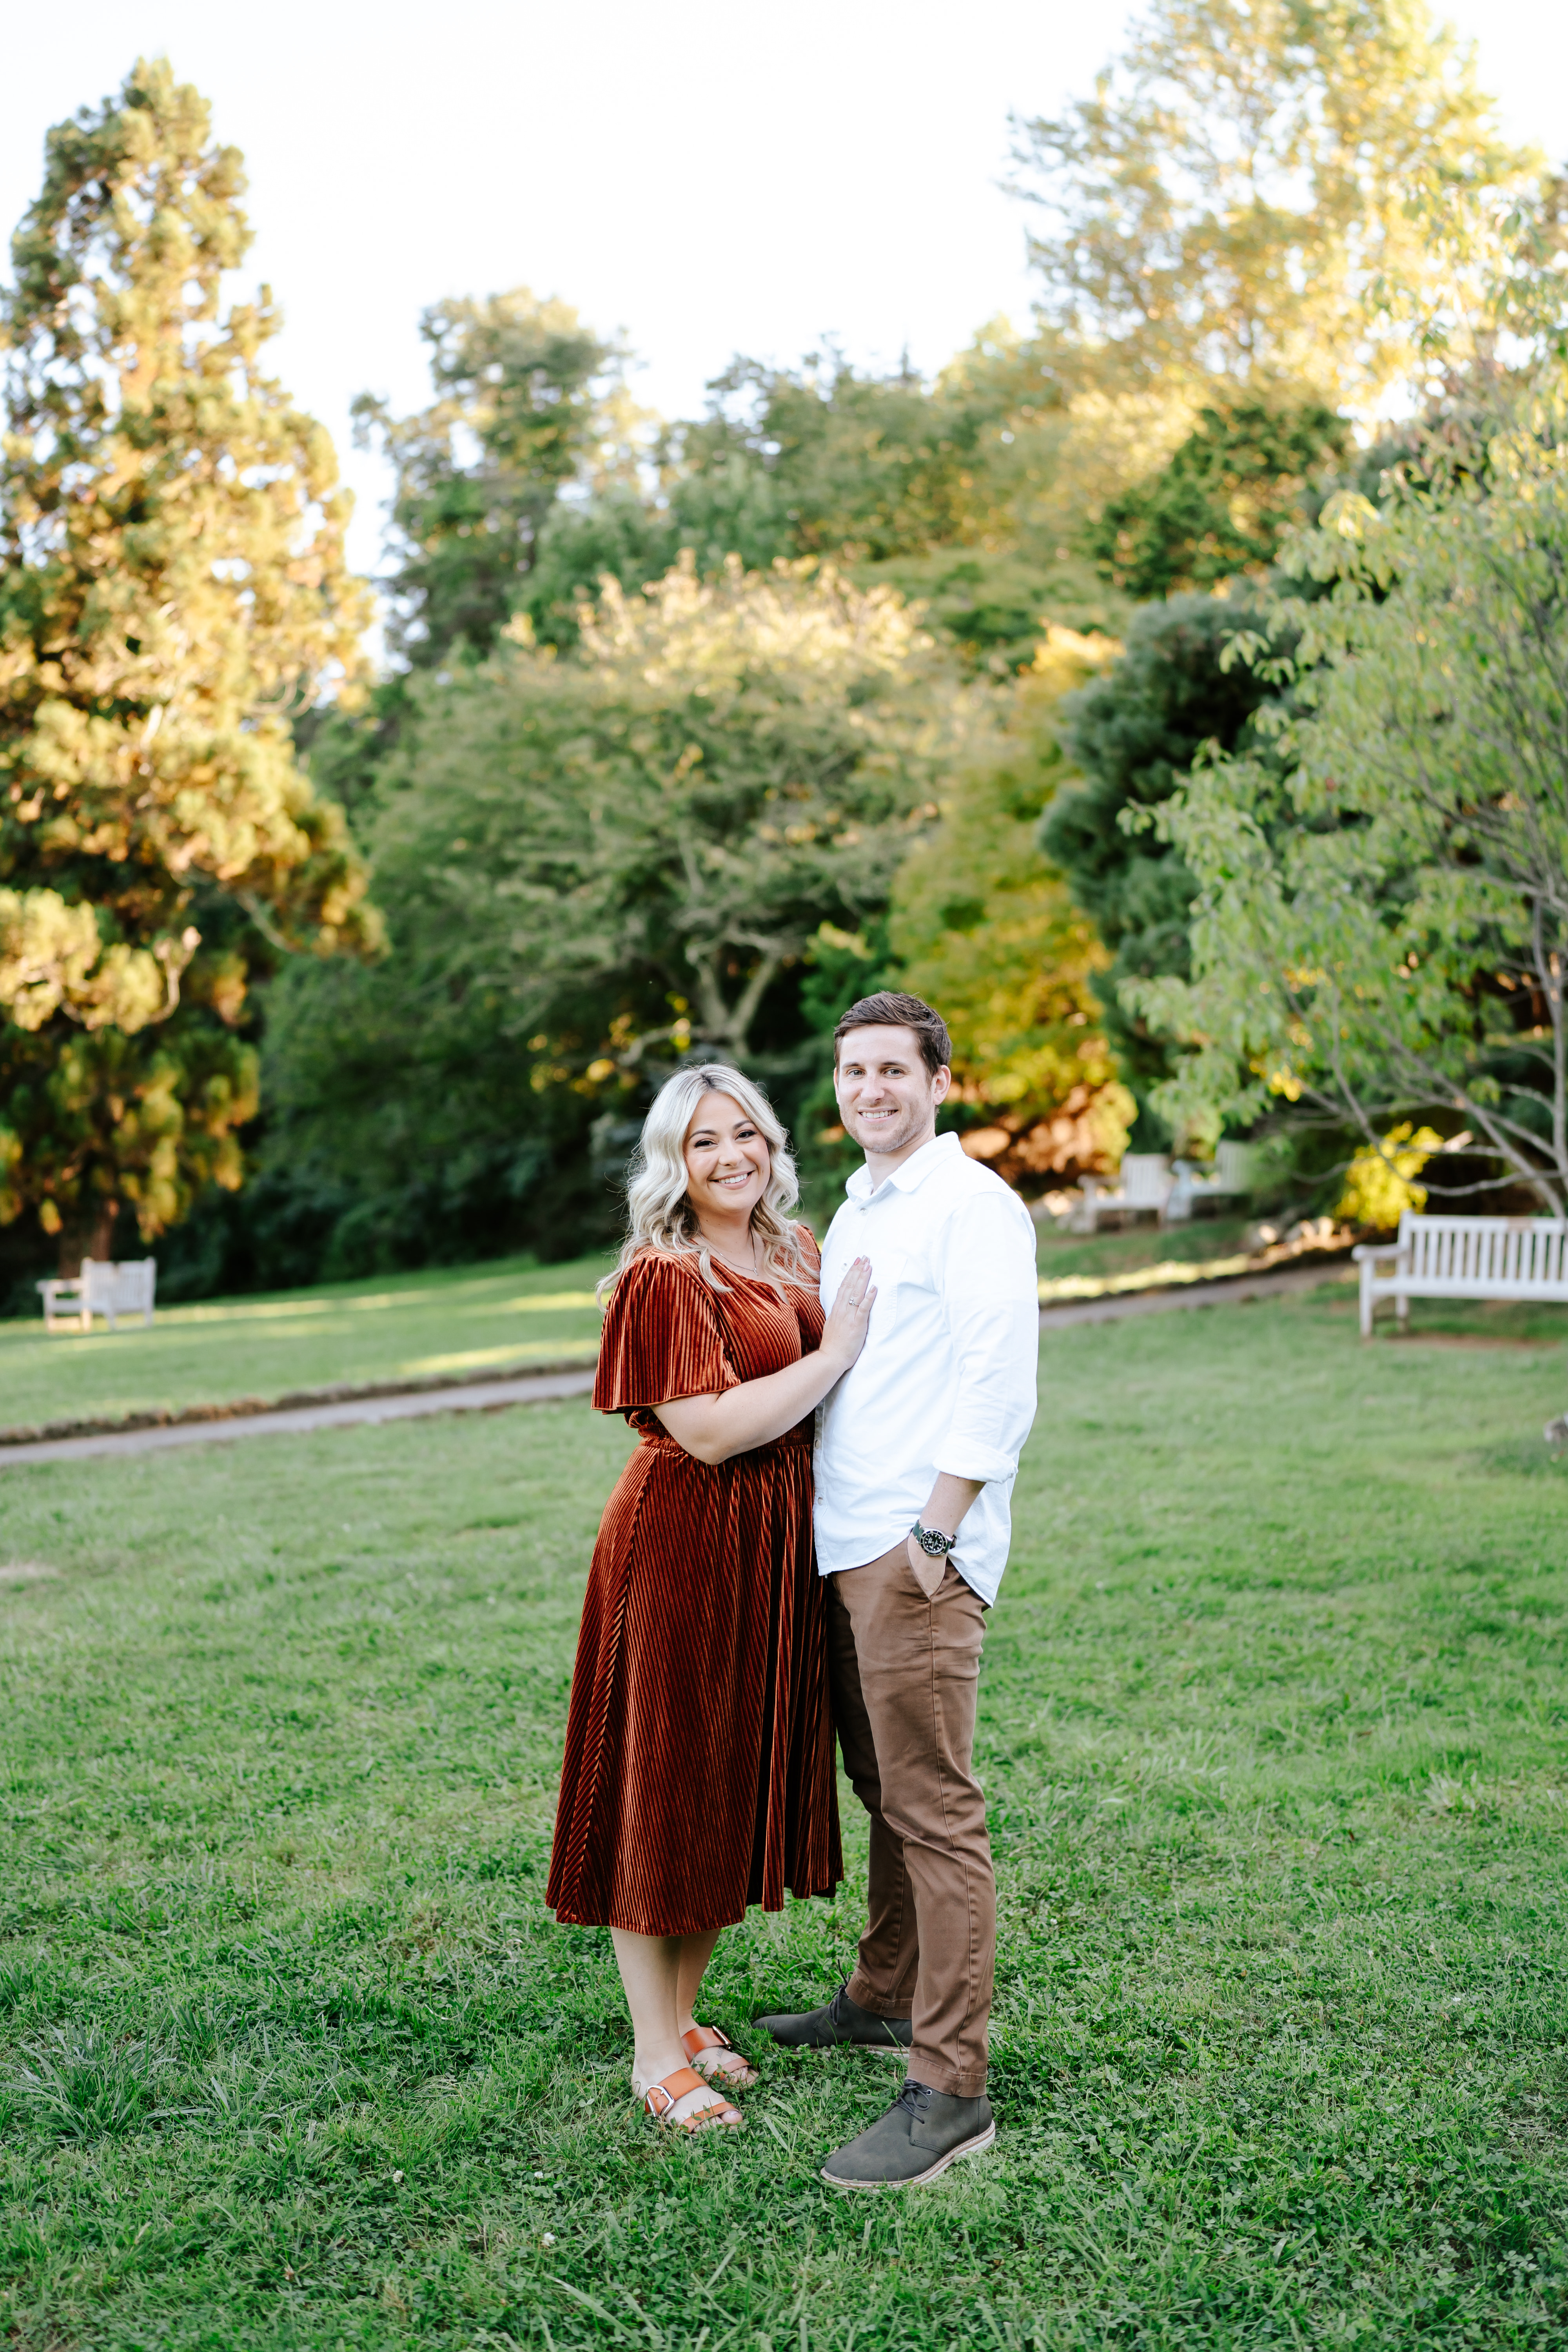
921 2133
843 2021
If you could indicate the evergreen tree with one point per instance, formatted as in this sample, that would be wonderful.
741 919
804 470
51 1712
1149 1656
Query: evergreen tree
172 587
1222 506
528 402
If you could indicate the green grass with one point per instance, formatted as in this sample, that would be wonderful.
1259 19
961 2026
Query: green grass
457 1321
398 1326
1273 1726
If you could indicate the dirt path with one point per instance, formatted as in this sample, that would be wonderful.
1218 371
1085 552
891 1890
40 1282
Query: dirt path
538 1388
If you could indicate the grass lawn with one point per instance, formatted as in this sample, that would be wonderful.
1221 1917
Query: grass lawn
411 1325
463 1320
1273 1722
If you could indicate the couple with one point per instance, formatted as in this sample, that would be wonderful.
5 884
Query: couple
718 1651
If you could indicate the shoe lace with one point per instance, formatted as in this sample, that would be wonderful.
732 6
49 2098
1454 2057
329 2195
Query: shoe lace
915 2096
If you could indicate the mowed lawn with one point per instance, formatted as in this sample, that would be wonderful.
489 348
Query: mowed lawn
447 1323
1273 1728
442 1325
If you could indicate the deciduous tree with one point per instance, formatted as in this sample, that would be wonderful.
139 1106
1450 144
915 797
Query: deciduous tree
985 928
595 861
1289 193
1382 925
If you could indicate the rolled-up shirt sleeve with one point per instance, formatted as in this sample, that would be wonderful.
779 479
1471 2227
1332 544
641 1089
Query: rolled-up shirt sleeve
991 1299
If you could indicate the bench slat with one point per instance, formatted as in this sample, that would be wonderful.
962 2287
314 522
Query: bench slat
1467 1257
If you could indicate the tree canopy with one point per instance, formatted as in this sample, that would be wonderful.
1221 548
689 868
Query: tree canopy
593 862
1131 733
1308 192
172 588
1219 509
529 402
985 927
1381 929
688 728
970 492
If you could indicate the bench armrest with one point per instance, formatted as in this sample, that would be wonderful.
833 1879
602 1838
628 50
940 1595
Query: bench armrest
1375 1250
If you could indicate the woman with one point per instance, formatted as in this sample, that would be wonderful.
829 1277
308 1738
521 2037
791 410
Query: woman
699 1769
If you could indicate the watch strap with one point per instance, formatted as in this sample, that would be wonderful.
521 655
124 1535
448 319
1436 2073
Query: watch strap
935 1547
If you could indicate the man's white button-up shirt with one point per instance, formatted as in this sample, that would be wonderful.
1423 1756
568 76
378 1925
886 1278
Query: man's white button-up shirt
946 1378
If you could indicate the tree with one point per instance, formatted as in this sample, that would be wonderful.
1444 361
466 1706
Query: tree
1287 193
529 402
985 928
172 587
595 862
1381 929
1131 734
968 492
1222 506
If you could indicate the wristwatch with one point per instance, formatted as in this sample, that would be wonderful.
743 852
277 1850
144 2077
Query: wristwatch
936 1547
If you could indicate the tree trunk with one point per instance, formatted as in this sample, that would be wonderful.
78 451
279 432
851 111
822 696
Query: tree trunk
95 1240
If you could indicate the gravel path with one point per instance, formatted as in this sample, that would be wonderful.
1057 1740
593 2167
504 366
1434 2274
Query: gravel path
538 1388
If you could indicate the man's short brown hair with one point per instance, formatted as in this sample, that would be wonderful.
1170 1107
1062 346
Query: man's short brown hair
889 1010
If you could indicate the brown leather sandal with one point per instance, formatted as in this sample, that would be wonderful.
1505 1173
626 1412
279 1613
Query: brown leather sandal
661 2099
703 2037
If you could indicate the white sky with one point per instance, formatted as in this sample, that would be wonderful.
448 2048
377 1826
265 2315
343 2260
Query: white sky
706 176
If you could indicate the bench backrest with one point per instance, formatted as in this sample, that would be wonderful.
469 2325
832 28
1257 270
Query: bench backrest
122 1288
1485 1249
1234 1166
1146 1178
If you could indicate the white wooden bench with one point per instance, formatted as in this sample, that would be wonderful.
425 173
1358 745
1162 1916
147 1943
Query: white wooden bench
1231 1177
1148 1184
1464 1257
102 1287
1141 1187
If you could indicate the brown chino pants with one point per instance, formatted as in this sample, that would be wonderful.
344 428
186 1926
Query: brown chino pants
905 1672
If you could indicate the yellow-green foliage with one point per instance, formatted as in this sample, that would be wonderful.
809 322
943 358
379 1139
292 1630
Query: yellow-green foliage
171 583
985 929
1279 193
1382 917
1380 1182
588 858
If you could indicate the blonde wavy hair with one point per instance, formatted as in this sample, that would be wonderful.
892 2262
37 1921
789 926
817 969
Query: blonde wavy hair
659 1216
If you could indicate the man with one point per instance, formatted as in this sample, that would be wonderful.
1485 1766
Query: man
917 1448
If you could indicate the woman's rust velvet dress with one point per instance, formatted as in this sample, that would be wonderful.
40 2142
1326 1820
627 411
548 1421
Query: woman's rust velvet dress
699 1773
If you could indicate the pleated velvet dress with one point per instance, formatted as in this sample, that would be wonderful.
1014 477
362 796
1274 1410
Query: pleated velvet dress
699 1774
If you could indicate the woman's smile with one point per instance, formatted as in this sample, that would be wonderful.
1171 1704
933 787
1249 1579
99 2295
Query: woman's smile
727 1158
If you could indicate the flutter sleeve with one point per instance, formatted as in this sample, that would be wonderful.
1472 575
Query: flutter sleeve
663 1338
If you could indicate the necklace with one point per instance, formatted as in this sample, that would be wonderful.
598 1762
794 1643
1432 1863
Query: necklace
734 1265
